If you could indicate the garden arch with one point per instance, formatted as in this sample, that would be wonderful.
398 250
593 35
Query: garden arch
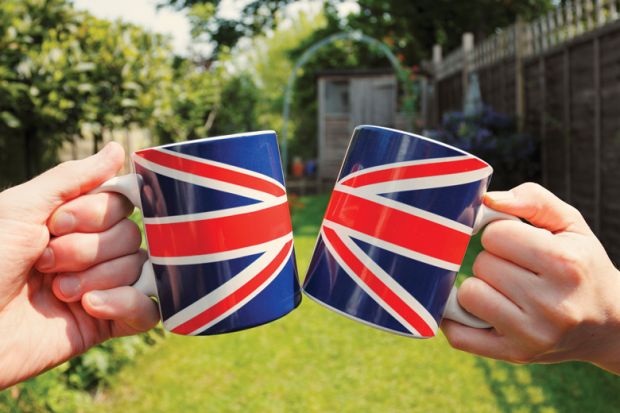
355 36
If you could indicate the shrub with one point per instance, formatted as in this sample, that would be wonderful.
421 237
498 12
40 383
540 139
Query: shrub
69 386
493 136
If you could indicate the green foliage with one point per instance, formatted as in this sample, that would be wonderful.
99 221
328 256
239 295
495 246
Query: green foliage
64 71
207 24
68 387
238 109
410 27
186 100
493 136
270 62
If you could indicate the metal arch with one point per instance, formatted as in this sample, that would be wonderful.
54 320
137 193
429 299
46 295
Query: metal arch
356 36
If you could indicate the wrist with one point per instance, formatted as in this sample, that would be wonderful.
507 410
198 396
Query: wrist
607 356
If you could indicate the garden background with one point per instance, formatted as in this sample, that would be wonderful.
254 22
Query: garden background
70 81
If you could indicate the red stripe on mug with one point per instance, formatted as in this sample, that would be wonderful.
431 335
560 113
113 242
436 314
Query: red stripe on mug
415 171
211 171
397 227
377 286
221 234
235 297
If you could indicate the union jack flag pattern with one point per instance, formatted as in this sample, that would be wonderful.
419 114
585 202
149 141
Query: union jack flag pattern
219 233
396 229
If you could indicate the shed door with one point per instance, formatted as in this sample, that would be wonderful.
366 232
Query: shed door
373 101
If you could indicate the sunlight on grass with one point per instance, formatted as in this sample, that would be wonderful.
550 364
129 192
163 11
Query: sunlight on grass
316 361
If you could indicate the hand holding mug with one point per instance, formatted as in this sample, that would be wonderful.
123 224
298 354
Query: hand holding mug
60 297
548 289
387 256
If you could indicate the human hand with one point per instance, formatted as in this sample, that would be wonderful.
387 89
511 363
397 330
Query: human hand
549 290
67 259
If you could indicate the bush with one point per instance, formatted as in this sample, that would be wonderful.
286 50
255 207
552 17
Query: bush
493 137
69 386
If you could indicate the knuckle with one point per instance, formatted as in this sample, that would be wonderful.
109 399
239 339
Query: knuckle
81 255
544 341
67 172
571 264
530 188
567 316
100 212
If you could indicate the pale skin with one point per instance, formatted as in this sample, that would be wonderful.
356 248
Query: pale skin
67 260
548 288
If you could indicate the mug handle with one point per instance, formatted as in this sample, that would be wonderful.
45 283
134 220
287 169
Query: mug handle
453 310
129 186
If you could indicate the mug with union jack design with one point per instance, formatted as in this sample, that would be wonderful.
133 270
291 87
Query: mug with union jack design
395 232
218 231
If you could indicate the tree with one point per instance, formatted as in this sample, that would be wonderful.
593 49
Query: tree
185 103
32 99
238 106
62 70
411 27
270 61
256 17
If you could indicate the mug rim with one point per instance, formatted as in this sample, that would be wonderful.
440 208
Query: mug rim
210 139
415 135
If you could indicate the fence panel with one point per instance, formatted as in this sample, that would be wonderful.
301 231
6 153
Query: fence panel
581 130
497 85
450 94
610 144
571 89
555 161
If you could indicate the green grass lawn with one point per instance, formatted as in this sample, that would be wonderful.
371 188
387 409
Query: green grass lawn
316 361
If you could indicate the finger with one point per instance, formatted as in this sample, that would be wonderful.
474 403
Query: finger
77 252
488 304
89 213
39 197
540 207
70 287
480 341
519 243
130 309
514 282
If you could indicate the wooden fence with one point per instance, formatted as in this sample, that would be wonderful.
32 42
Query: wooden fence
560 76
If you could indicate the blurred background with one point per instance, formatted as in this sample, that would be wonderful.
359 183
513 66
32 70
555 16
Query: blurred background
531 86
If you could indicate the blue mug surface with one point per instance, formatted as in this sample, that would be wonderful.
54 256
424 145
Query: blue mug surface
395 232
218 230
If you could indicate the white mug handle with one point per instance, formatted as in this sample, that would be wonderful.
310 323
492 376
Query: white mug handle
453 310
129 186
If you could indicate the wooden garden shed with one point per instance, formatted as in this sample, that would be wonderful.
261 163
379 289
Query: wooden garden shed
348 98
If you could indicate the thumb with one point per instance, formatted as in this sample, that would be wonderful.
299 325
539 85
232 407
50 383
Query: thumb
538 206
36 199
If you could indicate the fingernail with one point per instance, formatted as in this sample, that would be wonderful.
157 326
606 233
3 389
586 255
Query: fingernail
63 223
46 260
69 286
499 196
97 298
